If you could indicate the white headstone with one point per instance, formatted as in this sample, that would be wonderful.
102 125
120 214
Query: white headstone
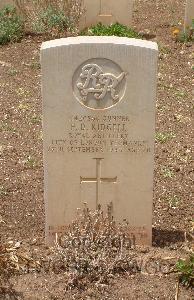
106 12
189 14
98 124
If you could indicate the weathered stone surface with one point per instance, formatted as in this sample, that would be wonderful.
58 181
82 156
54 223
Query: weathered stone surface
5 2
98 125
106 12
189 13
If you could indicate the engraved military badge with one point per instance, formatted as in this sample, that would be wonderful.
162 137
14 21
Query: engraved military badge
99 83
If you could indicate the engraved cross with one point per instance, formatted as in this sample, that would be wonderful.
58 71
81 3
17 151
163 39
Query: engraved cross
98 179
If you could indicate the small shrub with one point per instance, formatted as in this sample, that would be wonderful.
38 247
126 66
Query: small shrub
184 36
52 21
111 30
186 271
93 250
173 201
164 137
3 191
52 17
167 173
11 25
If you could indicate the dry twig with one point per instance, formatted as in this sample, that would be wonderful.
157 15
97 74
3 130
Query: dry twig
177 290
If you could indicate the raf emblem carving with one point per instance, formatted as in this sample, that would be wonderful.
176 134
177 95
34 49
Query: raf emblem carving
99 84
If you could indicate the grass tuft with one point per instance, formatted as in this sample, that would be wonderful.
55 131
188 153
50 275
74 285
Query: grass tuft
11 25
186 271
111 30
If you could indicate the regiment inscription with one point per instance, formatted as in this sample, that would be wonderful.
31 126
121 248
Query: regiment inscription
88 134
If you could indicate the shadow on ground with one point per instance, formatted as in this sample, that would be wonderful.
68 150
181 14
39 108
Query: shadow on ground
10 294
163 237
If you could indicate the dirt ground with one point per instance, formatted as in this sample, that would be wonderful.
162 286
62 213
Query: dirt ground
21 176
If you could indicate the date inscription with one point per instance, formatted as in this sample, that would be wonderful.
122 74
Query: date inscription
91 134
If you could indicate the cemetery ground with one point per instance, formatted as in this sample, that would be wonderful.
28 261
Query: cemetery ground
21 189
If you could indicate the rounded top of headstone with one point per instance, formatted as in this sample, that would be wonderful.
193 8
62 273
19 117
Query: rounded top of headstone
99 40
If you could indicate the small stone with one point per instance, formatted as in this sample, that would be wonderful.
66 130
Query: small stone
17 245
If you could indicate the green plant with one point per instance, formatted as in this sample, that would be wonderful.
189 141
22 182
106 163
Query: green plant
180 94
35 119
3 191
164 49
22 92
12 72
185 36
186 270
167 173
11 25
164 137
173 201
23 106
5 126
53 21
51 17
30 161
35 65
114 29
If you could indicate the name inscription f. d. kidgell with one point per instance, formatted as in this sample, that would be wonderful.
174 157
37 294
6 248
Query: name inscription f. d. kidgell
99 83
